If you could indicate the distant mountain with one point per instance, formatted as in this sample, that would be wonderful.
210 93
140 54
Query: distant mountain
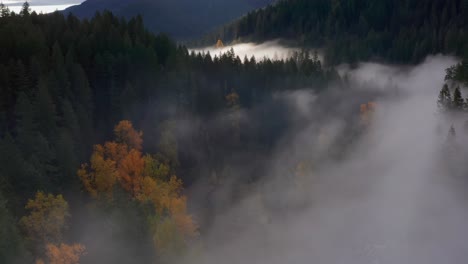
398 31
181 19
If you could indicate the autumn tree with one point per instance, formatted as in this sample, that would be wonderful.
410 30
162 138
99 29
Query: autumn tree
64 254
99 178
219 44
126 134
117 161
47 218
367 110
145 178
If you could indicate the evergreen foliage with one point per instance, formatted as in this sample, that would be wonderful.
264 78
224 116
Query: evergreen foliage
400 31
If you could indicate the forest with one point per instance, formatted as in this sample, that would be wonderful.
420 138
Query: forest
120 145
403 31
67 85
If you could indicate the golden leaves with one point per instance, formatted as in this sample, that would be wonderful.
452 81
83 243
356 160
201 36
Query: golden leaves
64 254
146 179
47 218
101 177
219 44
126 134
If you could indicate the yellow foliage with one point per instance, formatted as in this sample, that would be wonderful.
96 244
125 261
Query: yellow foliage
156 169
47 218
101 178
64 254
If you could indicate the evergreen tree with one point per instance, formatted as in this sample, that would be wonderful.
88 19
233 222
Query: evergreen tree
12 248
45 110
458 101
25 10
26 127
353 30
4 10
444 100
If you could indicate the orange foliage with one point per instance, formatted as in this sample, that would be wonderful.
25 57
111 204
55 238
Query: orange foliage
130 171
101 177
64 254
113 151
145 178
219 44
366 111
184 222
126 134
117 161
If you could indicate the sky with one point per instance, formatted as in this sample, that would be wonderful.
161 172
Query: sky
41 6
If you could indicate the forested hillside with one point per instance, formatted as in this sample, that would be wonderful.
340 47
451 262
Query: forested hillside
118 145
402 31
181 19
66 85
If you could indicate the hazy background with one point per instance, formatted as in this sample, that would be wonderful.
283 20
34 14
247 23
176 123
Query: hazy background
270 49
389 199
41 6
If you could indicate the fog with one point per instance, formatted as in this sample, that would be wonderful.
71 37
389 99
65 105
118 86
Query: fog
41 6
386 197
272 50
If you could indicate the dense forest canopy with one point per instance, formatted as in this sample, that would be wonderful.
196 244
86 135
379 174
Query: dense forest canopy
66 83
403 31
118 145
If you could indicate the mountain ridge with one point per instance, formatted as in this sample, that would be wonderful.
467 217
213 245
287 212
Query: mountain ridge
396 31
181 19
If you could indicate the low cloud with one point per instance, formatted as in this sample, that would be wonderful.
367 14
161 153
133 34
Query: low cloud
383 197
272 50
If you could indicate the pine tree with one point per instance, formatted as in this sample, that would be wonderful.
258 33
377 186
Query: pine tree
11 244
17 172
451 134
445 98
458 101
45 111
4 10
25 10
26 126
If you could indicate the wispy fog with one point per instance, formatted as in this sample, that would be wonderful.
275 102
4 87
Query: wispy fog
270 49
384 197
41 6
